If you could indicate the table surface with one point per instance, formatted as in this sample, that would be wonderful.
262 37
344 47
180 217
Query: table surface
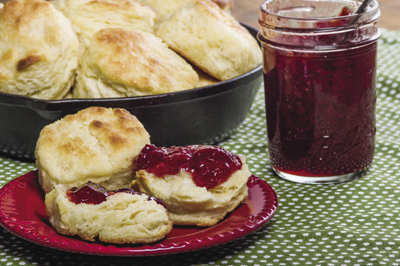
354 223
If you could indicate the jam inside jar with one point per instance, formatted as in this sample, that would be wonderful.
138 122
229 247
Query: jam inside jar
320 88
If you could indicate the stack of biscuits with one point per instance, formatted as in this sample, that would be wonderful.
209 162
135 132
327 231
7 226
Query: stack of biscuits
100 145
120 48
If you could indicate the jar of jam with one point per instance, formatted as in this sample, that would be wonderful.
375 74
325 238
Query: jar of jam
320 87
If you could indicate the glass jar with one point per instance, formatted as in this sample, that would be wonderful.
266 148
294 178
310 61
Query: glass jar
320 87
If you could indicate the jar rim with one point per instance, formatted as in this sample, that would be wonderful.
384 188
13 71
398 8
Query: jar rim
274 19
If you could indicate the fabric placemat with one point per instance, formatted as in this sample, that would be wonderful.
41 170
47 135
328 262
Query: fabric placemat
355 223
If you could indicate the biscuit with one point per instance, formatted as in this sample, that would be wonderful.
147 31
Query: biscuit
190 204
122 218
88 16
204 78
125 63
164 8
96 144
38 50
211 39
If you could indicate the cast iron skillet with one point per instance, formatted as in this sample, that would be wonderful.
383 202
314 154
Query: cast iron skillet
203 115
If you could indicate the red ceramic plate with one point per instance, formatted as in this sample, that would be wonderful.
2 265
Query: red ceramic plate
22 212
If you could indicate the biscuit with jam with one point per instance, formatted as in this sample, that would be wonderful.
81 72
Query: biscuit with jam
198 184
92 212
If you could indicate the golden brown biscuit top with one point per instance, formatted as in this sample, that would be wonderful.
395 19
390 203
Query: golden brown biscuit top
39 50
94 142
16 20
211 39
17 16
139 59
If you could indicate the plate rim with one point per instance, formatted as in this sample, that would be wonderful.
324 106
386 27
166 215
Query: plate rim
20 228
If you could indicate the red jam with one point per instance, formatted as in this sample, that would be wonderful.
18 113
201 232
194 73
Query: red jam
208 165
346 11
92 193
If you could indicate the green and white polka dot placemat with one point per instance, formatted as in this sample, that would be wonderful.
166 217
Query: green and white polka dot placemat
355 223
